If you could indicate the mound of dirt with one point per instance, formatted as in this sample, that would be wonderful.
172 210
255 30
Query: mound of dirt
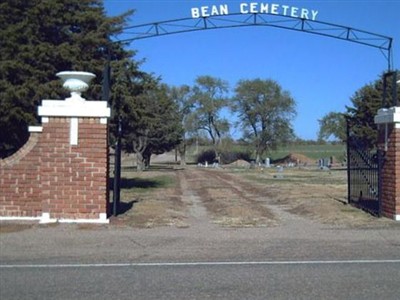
295 158
239 163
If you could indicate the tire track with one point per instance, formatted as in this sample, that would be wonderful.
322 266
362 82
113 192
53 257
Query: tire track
227 201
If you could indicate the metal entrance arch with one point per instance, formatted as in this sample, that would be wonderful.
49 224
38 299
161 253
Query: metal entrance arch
149 30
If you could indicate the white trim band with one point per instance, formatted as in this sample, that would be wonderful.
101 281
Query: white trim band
35 129
73 132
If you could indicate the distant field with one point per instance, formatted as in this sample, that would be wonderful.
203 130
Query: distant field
312 151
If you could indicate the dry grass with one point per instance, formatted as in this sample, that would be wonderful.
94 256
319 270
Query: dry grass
239 198
151 199
315 194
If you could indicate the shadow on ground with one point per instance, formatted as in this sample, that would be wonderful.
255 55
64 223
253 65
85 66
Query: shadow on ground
129 183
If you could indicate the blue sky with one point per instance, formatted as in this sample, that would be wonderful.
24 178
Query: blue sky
321 73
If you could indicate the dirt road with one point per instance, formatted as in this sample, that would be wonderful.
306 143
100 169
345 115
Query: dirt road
243 198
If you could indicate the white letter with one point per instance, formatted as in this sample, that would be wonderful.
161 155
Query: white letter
214 10
253 7
285 9
314 14
294 12
264 8
274 9
242 8
195 13
224 9
304 13
204 11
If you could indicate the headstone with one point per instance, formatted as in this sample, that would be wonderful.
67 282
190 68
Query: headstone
267 162
320 163
280 173
252 164
327 161
324 162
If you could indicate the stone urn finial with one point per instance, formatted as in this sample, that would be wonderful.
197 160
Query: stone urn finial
76 82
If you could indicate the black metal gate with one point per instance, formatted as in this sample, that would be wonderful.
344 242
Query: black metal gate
364 169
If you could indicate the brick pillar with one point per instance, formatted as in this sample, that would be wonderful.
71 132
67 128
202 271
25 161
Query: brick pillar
74 158
389 122
61 173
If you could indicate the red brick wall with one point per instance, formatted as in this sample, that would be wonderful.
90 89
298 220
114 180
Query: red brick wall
391 176
51 176
20 181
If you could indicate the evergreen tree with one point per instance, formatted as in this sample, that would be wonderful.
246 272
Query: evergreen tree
366 103
40 38
150 117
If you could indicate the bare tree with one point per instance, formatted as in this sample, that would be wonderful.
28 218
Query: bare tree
209 98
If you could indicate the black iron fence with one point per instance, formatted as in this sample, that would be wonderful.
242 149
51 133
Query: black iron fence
364 168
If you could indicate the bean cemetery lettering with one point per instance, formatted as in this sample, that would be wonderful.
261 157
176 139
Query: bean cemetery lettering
253 8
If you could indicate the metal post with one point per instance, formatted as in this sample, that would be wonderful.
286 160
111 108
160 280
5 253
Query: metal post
106 97
394 89
384 95
381 161
117 170
348 160
106 81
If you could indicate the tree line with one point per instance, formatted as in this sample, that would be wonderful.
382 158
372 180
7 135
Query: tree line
366 102
157 118
42 37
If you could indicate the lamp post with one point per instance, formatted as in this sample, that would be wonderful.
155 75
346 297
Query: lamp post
395 101
118 148
117 169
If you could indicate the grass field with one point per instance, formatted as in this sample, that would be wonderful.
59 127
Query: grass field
311 151
315 152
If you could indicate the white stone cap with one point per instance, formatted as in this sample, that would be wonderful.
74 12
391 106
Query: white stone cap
61 108
388 115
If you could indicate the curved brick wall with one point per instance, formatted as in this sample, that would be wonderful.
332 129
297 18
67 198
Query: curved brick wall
20 181
48 175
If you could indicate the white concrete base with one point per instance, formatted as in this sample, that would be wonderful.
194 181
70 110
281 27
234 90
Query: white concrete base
45 219
20 218
397 217
101 220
